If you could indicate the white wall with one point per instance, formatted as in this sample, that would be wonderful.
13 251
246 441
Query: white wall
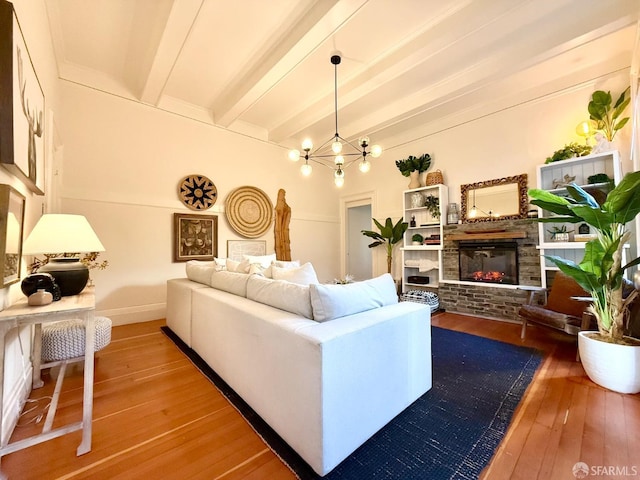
17 372
122 165
509 142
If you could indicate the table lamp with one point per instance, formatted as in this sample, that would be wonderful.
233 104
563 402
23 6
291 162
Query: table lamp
69 235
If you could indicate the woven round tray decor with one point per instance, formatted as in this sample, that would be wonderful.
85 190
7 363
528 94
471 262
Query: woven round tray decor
434 178
197 192
249 211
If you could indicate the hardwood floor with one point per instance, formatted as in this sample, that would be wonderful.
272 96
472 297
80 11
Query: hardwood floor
156 416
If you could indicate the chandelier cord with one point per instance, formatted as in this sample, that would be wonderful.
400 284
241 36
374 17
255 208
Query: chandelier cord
335 96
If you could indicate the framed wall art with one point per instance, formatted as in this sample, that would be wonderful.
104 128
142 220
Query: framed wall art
22 118
237 248
195 237
11 224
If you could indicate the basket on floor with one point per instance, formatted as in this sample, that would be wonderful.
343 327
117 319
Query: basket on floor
422 296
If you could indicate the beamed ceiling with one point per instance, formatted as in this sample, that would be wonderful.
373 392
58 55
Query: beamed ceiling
262 67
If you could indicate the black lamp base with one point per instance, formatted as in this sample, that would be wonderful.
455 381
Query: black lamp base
70 274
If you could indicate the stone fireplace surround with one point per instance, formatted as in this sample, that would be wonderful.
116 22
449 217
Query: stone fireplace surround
484 299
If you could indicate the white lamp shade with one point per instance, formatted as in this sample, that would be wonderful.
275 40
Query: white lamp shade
62 233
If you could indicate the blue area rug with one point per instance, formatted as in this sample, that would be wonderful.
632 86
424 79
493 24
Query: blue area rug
451 432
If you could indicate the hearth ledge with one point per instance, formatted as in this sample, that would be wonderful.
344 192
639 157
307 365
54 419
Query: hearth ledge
492 285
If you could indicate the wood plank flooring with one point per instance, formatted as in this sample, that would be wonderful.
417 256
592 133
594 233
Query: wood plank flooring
157 416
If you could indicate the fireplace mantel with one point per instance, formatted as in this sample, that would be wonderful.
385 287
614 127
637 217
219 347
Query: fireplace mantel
486 236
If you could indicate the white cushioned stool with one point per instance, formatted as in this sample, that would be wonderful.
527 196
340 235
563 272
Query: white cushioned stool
65 340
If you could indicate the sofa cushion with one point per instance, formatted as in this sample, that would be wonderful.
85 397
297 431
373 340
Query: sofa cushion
334 301
303 275
199 271
280 294
232 282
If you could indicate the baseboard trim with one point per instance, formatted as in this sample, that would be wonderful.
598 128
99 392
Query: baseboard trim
135 314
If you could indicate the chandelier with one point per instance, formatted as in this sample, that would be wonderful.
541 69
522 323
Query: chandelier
323 155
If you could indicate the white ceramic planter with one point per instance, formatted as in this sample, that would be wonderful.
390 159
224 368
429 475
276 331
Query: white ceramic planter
616 367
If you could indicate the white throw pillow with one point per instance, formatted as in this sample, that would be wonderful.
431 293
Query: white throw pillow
286 264
221 263
263 260
232 282
199 271
303 275
334 301
286 296
233 266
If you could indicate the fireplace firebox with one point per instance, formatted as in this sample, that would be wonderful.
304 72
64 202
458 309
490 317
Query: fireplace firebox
489 262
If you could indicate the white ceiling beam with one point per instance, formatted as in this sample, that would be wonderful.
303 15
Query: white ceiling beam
179 23
536 47
295 44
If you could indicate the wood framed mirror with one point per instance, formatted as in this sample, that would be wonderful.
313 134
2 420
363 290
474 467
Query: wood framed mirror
499 199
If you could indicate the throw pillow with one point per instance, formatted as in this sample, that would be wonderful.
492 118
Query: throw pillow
335 301
232 282
286 264
280 294
221 263
199 271
263 260
233 266
303 275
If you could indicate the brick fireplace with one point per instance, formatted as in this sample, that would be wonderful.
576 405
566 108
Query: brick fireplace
491 298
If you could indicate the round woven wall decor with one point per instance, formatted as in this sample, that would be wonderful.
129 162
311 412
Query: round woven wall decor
197 192
249 211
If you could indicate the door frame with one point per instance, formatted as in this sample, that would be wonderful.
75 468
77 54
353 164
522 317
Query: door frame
346 202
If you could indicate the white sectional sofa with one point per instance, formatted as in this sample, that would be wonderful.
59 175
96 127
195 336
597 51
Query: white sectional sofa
326 366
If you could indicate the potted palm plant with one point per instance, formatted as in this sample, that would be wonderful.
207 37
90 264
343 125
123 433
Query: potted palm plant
389 235
610 358
413 166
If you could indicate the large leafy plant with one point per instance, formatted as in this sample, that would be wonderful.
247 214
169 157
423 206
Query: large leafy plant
413 164
601 271
389 235
607 118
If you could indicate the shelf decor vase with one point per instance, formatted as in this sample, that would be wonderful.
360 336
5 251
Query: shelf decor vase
615 367
417 200
414 178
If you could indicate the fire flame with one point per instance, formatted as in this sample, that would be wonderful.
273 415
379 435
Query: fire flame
490 276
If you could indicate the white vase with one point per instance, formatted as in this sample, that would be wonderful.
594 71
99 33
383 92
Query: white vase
612 366
417 200
414 178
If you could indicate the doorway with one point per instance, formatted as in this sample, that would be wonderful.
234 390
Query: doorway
358 255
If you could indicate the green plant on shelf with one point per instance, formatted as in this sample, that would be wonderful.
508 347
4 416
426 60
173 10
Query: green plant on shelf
569 151
432 203
557 233
417 238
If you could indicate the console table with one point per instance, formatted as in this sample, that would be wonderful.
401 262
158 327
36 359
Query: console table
78 306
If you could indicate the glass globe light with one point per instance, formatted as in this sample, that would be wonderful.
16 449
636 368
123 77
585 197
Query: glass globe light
364 166
363 141
336 146
338 178
339 160
376 151
294 155
307 144
473 212
306 169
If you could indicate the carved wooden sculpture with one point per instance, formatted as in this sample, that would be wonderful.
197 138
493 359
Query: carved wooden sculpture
281 230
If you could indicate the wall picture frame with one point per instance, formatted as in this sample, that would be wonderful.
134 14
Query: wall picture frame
237 248
195 237
12 206
22 106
